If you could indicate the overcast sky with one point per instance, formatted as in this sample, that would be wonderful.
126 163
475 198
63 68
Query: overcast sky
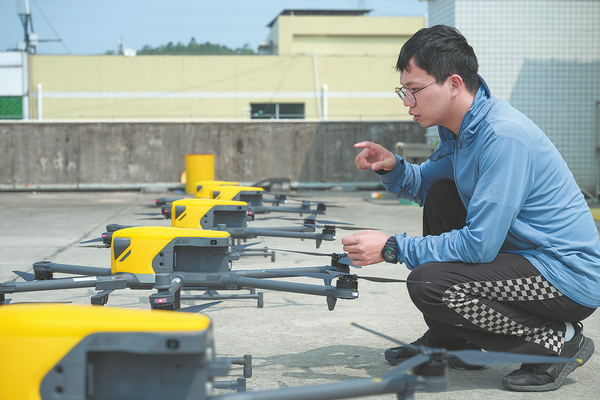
95 26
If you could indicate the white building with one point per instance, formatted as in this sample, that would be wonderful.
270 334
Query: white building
543 56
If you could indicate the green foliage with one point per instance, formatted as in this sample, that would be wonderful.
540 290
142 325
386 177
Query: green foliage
194 48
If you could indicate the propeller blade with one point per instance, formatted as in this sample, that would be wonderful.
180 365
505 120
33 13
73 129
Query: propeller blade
478 357
98 246
472 357
147 213
92 240
320 221
345 228
25 275
310 253
267 218
317 275
387 280
341 258
239 247
384 336
151 219
314 201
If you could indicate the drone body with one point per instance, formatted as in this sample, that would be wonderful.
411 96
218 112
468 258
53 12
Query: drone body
231 216
82 352
171 259
204 188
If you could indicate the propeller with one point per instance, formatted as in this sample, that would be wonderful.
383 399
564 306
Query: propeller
239 247
26 276
105 238
472 357
329 275
314 202
340 258
313 222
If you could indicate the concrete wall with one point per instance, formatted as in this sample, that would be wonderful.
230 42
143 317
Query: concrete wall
121 154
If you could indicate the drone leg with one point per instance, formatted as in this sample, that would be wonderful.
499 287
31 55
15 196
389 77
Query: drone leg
246 361
100 299
331 300
239 385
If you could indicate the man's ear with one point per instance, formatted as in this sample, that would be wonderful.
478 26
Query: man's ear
457 85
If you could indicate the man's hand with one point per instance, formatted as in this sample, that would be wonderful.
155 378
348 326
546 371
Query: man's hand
374 156
364 248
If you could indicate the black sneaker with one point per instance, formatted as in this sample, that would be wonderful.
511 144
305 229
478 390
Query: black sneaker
546 377
396 355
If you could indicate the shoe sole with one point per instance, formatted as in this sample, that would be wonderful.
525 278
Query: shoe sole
584 354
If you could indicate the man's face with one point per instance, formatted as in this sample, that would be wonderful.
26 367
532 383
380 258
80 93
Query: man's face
431 107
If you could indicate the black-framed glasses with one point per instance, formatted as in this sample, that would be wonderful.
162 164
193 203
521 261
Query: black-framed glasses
403 92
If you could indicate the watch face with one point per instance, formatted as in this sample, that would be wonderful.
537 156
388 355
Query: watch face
389 255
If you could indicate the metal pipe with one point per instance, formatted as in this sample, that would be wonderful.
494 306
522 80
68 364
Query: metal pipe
40 108
316 75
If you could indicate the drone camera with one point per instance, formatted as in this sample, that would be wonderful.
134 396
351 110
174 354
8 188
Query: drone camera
172 344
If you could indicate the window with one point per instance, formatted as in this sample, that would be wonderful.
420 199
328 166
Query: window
277 111
11 108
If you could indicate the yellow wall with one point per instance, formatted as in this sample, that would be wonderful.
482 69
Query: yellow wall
344 34
359 71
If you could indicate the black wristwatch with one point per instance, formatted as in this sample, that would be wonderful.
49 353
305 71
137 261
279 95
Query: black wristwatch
390 251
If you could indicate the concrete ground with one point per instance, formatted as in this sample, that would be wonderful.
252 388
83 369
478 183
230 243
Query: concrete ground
294 339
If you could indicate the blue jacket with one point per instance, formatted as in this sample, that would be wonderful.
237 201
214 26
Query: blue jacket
519 194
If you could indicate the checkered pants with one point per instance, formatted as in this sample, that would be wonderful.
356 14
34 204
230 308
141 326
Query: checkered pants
505 305
463 299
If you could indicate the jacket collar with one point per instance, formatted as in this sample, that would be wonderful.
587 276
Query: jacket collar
468 126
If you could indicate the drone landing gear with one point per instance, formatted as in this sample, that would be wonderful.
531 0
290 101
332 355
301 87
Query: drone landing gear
258 252
214 295
100 299
240 383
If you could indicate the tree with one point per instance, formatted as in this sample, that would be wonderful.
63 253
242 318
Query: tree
193 48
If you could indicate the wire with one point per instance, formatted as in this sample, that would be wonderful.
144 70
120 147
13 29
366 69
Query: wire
51 27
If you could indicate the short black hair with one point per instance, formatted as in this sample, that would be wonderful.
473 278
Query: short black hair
441 50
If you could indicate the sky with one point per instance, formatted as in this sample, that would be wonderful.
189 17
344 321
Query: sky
96 26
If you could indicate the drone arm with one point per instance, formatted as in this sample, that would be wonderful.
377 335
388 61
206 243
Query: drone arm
283 272
403 385
48 266
99 282
290 209
293 287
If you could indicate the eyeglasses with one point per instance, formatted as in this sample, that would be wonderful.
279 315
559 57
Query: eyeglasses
403 92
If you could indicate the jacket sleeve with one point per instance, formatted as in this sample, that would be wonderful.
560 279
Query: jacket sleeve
412 181
504 176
